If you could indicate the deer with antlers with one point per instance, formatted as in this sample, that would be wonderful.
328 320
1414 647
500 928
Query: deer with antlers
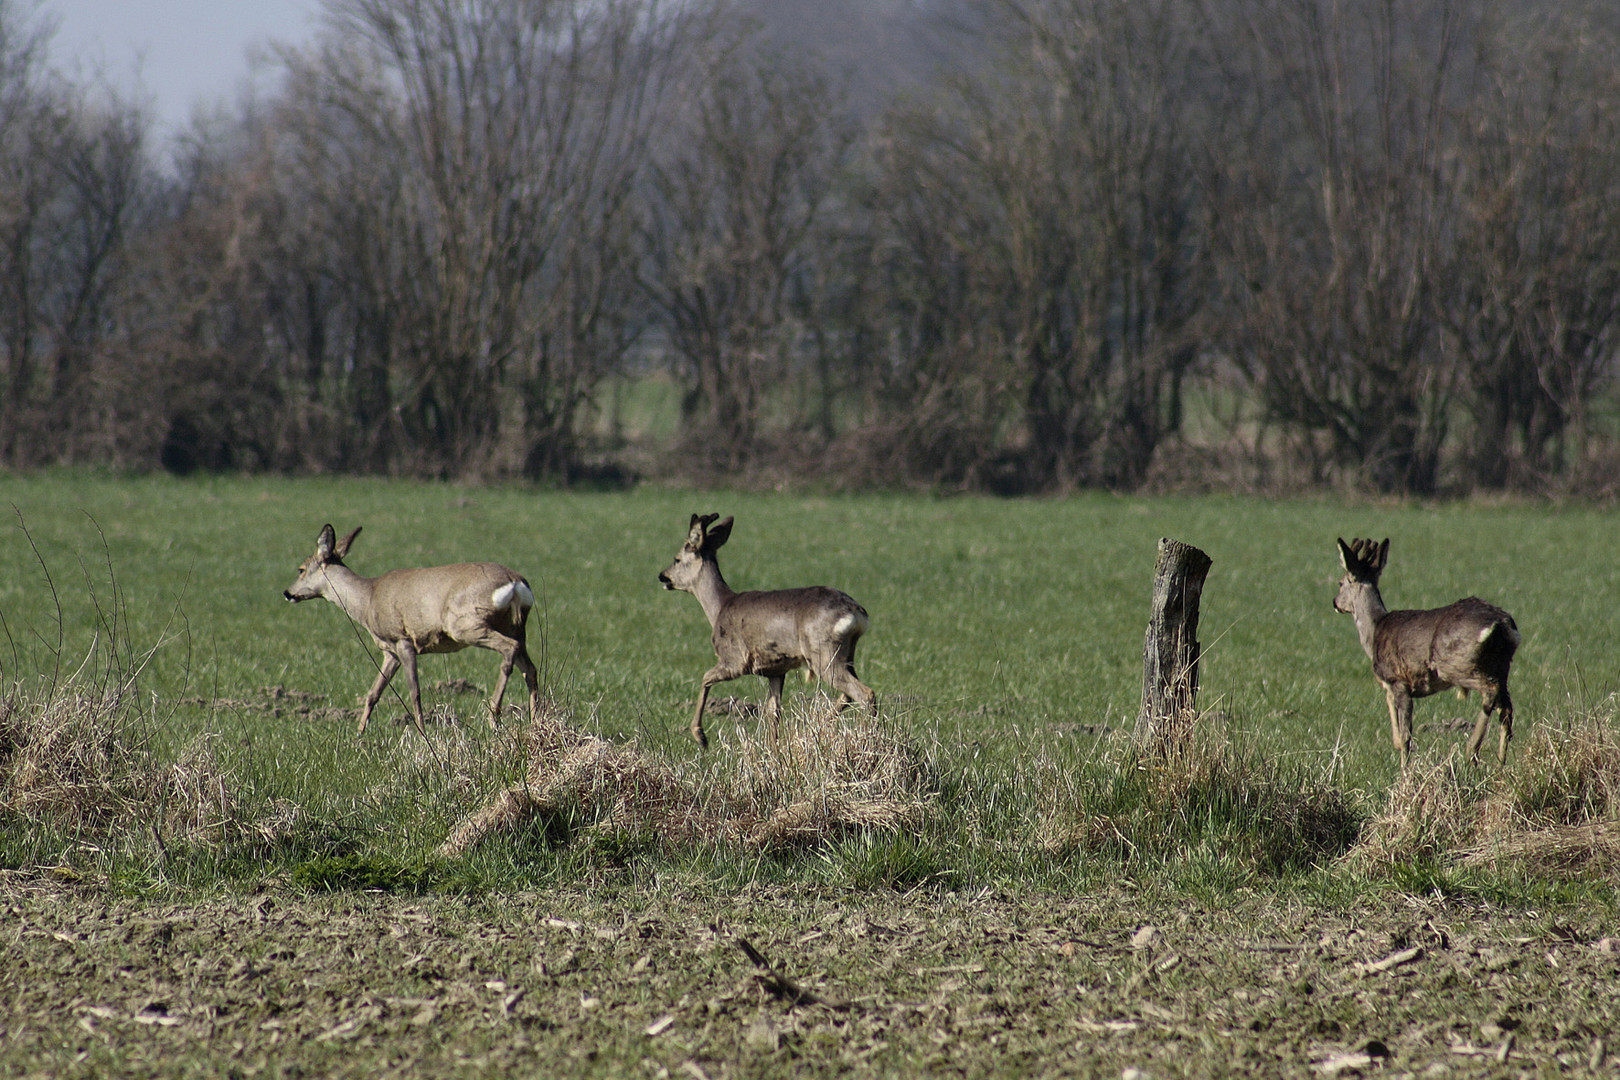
434 609
1468 645
767 633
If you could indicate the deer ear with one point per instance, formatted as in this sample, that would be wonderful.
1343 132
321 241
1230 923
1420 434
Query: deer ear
324 542
343 544
694 530
1346 557
717 535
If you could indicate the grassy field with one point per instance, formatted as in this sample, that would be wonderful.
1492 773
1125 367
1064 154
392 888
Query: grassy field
993 621
1005 647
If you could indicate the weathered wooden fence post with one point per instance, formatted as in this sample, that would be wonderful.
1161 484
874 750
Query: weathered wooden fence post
1170 654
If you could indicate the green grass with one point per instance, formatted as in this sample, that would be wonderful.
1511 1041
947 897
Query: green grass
1006 640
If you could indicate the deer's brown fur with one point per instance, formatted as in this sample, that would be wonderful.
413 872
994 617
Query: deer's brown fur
434 609
767 633
1468 645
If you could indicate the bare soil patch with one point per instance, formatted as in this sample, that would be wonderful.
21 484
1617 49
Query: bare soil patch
622 980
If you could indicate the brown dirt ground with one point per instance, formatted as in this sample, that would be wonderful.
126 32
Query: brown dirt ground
653 983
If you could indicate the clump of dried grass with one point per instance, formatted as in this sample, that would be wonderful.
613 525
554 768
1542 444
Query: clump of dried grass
819 779
1555 807
585 778
78 767
1427 814
78 761
815 782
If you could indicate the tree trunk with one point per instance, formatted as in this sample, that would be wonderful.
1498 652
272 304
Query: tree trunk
1170 654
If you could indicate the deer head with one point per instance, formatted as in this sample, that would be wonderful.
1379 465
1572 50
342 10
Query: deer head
312 581
701 544
1364 561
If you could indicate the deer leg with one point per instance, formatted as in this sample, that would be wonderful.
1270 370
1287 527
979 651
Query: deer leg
1478 735
710 677
508 650
717 674
773 704
531 677
1497 700
1504 713
407 660
390 665
852 689
1400 720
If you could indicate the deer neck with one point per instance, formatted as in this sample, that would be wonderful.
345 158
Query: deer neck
1367 607
349 591
712 591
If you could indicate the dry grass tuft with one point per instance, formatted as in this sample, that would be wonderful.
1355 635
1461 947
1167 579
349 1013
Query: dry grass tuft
78 769
816 782
819 779
1427 814
583 778
1561 849
79 763
1554 808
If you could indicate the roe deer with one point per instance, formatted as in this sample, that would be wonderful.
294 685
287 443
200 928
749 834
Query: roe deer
768 633
1469 645
436 609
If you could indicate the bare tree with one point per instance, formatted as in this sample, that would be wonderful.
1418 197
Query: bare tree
72 177
1532 306
1050 219
731 237
1338 208
467 168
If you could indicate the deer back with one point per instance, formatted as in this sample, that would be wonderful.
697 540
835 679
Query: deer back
442 608
780 629
1430 650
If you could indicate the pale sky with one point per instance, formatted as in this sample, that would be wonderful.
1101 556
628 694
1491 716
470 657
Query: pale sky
182 52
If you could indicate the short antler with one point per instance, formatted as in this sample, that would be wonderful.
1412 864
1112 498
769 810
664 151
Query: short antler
1364 559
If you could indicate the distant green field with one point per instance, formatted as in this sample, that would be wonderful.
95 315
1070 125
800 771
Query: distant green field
998 626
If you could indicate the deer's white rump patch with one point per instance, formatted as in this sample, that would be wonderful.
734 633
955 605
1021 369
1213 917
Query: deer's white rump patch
514 594
849 623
